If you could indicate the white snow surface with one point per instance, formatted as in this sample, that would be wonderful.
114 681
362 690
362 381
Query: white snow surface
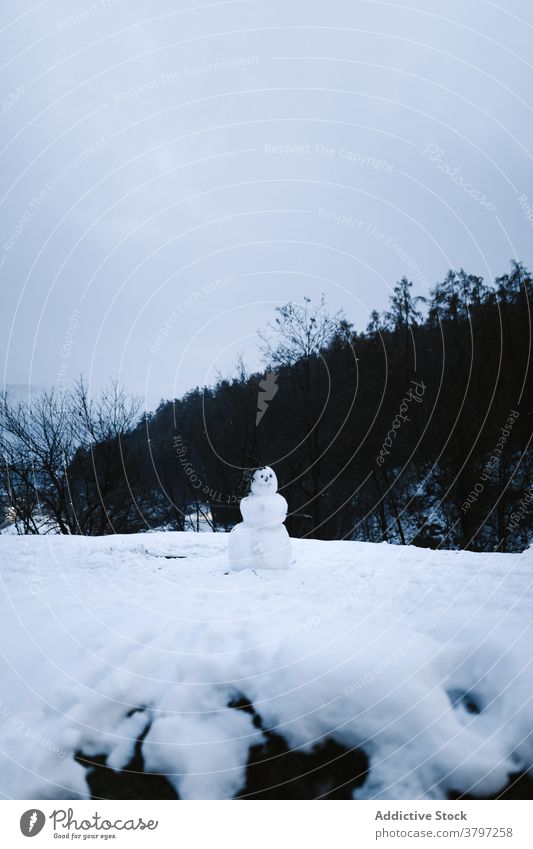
371 645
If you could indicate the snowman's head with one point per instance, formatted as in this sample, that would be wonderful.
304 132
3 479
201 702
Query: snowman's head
264 482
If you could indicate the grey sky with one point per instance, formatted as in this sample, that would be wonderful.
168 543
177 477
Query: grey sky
171 174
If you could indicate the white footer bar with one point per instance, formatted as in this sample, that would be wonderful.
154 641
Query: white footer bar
268 824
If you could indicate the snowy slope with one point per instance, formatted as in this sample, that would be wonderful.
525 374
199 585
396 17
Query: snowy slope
374 646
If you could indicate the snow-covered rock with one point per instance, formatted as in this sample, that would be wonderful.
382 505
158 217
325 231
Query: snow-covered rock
421 659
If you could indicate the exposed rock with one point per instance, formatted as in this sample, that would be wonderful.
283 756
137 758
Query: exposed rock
274 771
131 782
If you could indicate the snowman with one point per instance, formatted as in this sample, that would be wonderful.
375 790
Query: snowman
261 540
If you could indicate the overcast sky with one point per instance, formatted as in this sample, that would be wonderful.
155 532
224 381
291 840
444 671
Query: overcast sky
173 171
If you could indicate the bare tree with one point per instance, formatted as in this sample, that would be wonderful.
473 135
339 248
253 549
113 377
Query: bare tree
102 477
299 332
38 443
108 415
63 461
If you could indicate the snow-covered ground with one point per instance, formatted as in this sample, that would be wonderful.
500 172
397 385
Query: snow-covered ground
421 658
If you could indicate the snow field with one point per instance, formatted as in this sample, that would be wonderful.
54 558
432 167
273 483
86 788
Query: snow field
420 658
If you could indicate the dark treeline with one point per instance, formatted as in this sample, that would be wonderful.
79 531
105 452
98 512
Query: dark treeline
415 431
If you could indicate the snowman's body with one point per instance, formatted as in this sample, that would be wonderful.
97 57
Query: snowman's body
261 540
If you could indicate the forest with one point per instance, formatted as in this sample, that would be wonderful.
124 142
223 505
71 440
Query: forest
414 431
